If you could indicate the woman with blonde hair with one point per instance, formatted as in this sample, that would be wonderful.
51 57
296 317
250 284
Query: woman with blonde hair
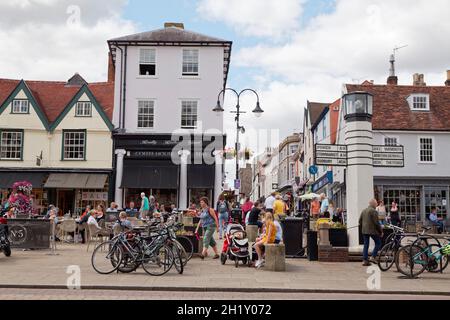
267 238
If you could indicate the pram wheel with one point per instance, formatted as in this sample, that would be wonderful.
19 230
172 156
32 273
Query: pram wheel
223 258
236 262
245 261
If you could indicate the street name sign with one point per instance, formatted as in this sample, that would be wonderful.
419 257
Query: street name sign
330 155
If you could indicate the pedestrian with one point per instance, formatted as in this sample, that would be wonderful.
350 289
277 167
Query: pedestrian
268 203
394 215
381 209
315 208
324 204
131 211
145 207
371 228
279 208
246 207
223 211
253 216
152 205
209 223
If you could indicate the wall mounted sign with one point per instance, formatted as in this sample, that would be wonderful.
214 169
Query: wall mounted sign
330 155
94 196
323 181
388 156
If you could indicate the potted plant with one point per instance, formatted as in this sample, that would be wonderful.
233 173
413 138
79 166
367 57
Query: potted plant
338 235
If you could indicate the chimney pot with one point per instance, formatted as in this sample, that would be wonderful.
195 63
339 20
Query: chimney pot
178 25
447 83
392 80
418 80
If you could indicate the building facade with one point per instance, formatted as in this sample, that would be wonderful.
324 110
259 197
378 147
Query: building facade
166 84
287 166
57 135
416 117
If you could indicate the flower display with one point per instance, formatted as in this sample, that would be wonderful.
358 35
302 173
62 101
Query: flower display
20 197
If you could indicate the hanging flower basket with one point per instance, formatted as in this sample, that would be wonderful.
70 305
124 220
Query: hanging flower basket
23 186
229 153
246 154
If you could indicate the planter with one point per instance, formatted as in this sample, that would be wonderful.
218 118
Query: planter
338 237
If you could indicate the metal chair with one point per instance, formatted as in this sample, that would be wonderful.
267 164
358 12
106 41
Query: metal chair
66 227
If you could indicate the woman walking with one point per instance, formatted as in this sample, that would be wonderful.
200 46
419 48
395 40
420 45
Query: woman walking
394 215
224 215
209 222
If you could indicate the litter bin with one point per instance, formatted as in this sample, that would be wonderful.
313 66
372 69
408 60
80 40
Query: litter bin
313 249
293 236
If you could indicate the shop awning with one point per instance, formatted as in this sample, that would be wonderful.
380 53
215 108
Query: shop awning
143 174
201 176
76 180
7 179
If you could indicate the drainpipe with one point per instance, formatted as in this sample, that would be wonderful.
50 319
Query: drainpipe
121 89
124 87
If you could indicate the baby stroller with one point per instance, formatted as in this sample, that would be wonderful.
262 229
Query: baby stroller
235 246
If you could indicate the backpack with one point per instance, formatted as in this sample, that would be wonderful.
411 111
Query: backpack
223 207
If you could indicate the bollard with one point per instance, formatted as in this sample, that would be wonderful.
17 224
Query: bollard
275 257
252 233
324 234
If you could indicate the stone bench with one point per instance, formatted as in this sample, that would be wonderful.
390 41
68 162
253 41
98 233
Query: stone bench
275 257
252 233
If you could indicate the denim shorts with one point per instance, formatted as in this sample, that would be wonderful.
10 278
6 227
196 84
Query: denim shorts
208 236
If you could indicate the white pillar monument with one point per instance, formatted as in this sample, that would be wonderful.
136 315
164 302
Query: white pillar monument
118 197
358 138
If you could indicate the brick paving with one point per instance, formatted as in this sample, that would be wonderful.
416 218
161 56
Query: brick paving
38 268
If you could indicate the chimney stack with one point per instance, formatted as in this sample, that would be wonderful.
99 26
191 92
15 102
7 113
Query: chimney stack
111 70
418 80
174 25
447 83
393 79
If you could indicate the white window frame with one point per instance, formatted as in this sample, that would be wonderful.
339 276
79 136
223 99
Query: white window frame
183 62
150 115
412 104
69 145
142 62
83 109
11 148
433 143
391 137
20 106
183 115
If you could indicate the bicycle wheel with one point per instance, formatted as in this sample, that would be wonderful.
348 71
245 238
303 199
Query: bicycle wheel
160 262
386 257
411 260
184 255
187 245
128 264
177 256
107 257
434 262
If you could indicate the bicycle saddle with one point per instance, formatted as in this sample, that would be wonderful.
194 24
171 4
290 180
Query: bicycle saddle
426 228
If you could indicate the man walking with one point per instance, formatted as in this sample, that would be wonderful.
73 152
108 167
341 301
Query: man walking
370 229
145 206
268 204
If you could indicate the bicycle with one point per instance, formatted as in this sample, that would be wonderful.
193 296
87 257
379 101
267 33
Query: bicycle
412 260
386 257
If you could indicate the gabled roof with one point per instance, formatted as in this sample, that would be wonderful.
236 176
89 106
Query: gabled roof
391 110
53 97
170 34
315 110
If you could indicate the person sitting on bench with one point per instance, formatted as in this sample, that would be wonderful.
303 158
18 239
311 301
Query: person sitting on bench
436 221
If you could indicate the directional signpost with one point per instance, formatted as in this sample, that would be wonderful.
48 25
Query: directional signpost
388 156
330 155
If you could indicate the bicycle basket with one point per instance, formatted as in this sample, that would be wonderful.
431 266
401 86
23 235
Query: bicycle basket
446 250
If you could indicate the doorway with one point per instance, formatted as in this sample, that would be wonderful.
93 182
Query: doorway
66 201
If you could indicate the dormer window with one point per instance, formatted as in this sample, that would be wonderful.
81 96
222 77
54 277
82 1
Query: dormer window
419 102
20 106
83 109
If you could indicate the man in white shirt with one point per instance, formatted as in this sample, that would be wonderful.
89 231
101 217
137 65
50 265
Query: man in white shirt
268 204
92 219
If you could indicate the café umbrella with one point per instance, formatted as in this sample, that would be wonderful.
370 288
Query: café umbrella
309 196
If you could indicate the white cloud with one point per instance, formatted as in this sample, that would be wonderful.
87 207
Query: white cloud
46 41
262 18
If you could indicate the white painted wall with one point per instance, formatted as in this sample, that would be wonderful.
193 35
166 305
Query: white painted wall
168 88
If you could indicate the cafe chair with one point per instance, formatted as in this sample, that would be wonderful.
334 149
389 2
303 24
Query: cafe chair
66 227
94 234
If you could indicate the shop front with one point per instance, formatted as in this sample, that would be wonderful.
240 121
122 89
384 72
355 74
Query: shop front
416 198
322 185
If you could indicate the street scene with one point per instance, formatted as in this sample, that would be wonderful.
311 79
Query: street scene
181 151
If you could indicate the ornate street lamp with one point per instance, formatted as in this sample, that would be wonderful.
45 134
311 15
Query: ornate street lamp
358 106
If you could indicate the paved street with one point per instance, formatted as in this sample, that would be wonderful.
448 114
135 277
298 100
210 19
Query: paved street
37 269
48 294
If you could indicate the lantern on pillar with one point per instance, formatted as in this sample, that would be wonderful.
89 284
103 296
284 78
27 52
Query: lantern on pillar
358 106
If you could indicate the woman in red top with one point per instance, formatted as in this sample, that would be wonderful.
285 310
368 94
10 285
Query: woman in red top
246 207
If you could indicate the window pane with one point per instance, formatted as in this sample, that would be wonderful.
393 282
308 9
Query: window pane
145 114
189 114
11 145
148 56
190 62
74 145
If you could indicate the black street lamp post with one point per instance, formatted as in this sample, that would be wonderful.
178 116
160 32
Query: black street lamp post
257 111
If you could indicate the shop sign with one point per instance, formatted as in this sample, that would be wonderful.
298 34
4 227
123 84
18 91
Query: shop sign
330 155
150 154
94 196
322 182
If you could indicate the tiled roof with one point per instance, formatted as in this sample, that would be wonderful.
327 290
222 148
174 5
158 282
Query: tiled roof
54 96
170 34
315 109
391 110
